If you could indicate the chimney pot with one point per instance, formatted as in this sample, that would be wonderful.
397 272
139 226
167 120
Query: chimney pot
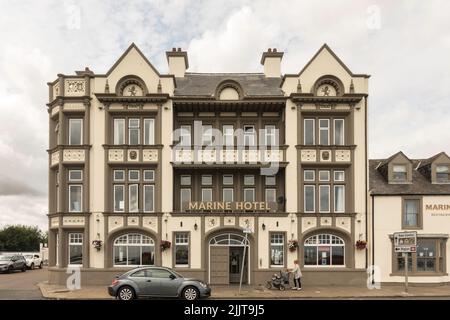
174 49
274 50
179 49
269 50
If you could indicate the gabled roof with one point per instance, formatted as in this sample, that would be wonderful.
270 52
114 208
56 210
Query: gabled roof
386 161
132 46
429 161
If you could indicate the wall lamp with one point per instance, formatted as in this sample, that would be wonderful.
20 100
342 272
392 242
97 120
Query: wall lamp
263 226
195 226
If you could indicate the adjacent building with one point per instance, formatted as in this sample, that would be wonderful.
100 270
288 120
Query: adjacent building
185 169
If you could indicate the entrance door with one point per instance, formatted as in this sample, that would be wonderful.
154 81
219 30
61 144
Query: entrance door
236 260
219 263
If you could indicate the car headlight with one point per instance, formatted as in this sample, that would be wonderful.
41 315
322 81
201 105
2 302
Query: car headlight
204 285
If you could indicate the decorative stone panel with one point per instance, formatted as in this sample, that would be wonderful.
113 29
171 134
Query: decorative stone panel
133 221
228 156
342 155
229 221
183 156
207 155
325 155
56 90
74 87
133 155
150 155
308 223
273 156
115 155
114 223
325 221
308 155
245 222
73 221
73 107
344 223
251 156
211 223
54 158
150 223
73 155
54 222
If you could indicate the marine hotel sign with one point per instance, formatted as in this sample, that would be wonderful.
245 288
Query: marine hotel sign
229 206
438 209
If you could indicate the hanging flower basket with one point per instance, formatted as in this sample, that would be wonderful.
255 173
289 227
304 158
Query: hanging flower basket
97 244
361 244
165 245
293 245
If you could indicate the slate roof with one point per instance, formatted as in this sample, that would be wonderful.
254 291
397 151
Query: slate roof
205 84
420 184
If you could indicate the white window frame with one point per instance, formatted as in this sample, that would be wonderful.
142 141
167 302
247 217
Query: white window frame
138 128
227 135
181 196
151 186
186 176
331 245
271 133
334 196
277 244
320 198
71 120
117 171
223 180
270 184
314 197
75 244
151 137
70 197
252 177
309 180
338 171
138 176
232 194
271 190
76 180
313 131
405 172
114 196
251 135
206 184
203 194
207 134
324 180
152 173
185 135
137 197
343 132
186 243
117 137
327 128
253 194
131 244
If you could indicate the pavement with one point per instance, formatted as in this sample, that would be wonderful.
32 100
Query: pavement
22 285
260 293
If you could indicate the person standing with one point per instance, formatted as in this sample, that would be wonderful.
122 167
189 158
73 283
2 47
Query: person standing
297 276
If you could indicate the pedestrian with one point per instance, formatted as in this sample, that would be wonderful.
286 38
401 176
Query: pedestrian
297 276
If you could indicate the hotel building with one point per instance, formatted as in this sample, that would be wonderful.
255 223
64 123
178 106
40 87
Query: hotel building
170 169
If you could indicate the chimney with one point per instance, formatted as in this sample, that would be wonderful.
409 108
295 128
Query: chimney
178 62
271 60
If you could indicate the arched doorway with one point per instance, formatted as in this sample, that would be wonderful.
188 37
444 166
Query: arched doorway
226 257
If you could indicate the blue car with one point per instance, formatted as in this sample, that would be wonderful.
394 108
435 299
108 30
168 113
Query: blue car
157 282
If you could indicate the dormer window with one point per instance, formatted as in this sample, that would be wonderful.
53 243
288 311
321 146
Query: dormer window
442 173
399 173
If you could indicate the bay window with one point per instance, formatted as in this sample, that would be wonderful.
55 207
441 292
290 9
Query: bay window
75 131
75 191
126 187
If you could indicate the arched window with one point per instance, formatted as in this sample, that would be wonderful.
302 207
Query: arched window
324 250
229 239
134 249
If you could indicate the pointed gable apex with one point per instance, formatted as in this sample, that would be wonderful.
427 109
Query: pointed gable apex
396 156
132 47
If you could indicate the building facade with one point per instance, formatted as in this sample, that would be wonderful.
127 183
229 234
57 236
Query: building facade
185 169
410 195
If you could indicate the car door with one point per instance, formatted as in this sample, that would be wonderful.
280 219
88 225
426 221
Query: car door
147 285
168 282
16 262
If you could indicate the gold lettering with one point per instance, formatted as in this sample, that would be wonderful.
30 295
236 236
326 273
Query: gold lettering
193 206
239 205
220 205
248 205
201 206
428 207
209 206
227 205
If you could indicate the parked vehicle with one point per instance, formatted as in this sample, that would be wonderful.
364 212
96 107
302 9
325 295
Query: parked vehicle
157 282
33 261
9 263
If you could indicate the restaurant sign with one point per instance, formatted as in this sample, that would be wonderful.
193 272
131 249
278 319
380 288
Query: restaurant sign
439 209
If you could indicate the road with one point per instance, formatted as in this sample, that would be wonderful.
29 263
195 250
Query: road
22 285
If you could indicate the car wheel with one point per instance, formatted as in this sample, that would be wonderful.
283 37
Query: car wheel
40 265
32 266
190 293
10 269
126 293
24 268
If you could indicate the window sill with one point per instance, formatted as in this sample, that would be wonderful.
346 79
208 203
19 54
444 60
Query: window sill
419 274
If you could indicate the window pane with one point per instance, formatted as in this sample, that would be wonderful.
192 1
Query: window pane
75 131
249 135
185 180
249 180
309 175
76 254
339 132
228 135
411 212
276 254
206 180
337 255
339 198
133 131
206 194
269 135
228 179
119 198
119 131
309 198
324 198
185 135
339 176
271 195
149 131
120 255
185 196
324 131
134 255
75 175
249 195
426 255
228 194
119 175
442 173
133 198
324 175
310 256
399 172
401 262
149 175
148 198
206 135
309 132
270 180
75 198
148 255
133 175
324 255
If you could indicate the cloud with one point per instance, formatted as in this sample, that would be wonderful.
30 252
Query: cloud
10 187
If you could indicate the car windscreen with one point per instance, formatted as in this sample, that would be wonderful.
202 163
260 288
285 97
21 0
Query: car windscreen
5 258
28 256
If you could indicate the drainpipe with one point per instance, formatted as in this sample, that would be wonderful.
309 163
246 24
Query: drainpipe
373 237
367 177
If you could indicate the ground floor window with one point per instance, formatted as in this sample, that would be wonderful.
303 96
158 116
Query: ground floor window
181 249
277 249
134 249
324 250
429 257
75 248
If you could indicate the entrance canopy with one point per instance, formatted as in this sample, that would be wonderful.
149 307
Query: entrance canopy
229 239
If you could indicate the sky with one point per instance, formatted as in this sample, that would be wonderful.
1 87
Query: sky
403 45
